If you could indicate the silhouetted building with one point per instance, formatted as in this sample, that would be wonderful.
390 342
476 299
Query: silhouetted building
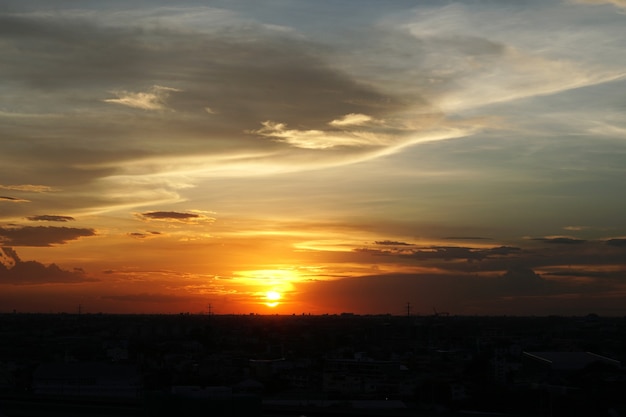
362 377
87 379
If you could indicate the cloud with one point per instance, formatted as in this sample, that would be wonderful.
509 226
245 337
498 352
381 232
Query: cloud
240 69
141 235
392 243
467 238
8 257
175 216
320 139
28 187
442 252
13 199
577 228
522 281
468 59
50 218
617 3
583 273
618 242
18 272
41 235
153 99
454 293
561 240
352 119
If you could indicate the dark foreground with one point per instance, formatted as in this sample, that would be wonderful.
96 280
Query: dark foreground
339 365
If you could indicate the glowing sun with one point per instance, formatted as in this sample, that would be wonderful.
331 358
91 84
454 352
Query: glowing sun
272 298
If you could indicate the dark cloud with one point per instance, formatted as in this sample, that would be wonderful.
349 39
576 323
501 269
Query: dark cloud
503 250
175 216
442 252
143 235
41 235
50 218
84 58
616 242
518 290
584 273
8 257
391 243
13 199
20 272
561 240
240 64
164 215
523 281
454 293
467 238
550 257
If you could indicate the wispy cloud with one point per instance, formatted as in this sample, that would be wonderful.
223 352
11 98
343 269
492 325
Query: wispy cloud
153 99
28 187
144 235
617 3
561 240
319 139
352 119
13 199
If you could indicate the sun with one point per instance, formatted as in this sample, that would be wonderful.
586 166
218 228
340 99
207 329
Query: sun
272 298
272 295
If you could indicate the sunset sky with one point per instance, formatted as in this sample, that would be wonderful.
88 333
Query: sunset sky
288 156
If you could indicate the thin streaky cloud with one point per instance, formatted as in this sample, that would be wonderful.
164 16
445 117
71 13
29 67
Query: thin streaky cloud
28 187
617 3
13 199
153 99
352 119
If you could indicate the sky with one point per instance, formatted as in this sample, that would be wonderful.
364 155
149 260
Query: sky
313 157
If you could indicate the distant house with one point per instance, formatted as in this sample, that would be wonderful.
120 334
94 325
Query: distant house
87 379
264 369
546 366
362 377
249 386
6 379
195 391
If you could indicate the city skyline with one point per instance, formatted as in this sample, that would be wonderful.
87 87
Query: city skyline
282 157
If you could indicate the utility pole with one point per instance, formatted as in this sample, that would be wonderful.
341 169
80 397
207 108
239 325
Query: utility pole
408 309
